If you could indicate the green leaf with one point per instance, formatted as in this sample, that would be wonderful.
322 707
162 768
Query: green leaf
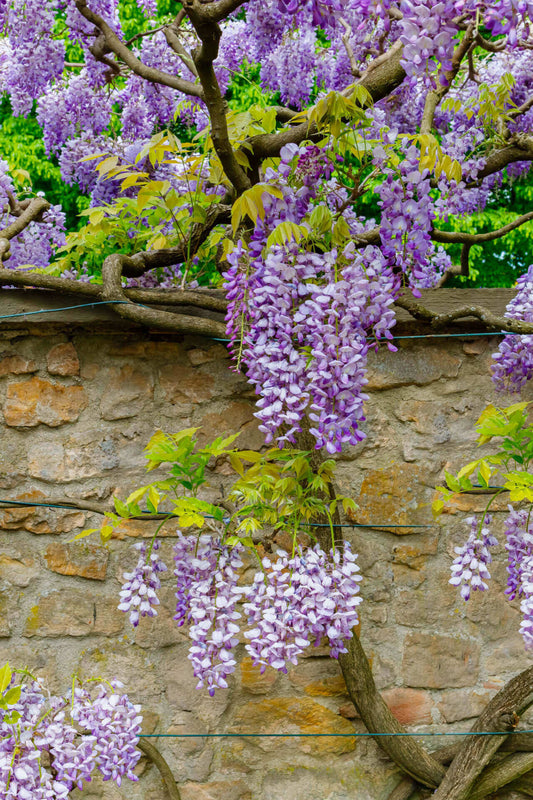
12 696
121 508
5 677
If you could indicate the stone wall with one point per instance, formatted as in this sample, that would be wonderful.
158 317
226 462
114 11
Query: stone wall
79 402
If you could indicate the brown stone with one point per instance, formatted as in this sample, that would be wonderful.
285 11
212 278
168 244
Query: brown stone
458 704
199 356
185 384
63 360
395 494
319 677
85 559
409 706
74 613
6 615
439 662
253 681
37 401
126 393
409 365
39 519
238 415
215 790
296 715
18 571
14 364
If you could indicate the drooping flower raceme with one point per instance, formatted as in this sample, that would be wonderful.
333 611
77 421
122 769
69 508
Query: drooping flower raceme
470 568
139 592
292 602
514 359
96 729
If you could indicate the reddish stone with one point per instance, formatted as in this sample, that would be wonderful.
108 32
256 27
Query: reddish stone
31 402
63 360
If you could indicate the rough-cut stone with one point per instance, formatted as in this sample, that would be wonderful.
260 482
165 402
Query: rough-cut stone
409 706
458 704
126 393
198 356
388 370
63 360
19 571
319 677
216 790
85 559
6 615
296 715
237 416
439 662
12 363
71 612
397 495
253 681
36 401
39 519
187 385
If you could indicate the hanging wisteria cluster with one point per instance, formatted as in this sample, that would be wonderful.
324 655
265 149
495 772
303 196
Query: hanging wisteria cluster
50 745
293 602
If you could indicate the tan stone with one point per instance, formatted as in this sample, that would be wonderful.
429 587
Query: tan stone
238 415
126 393
415 555
74 613
6 615
395 494
39 519
37 401
409 365
439 662
409 706
15 364
319 677
199 356
85 559
253 681
458 704
63 360
216 790
186 384
296 715
18 571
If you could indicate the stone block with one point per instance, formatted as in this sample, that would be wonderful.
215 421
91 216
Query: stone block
296 715
36 401
198 356
12 363
409 706
184 385
253 681
410 365
63 360
395 494
319 677
439 662
126 393
459 704
215 790
74 613
39 519
84 559
6 615
237 415
17 570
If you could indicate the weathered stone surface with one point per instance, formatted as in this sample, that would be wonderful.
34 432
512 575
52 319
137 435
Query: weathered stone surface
458 704
126 393
187 385
236 416
18 571
439 662
85 559
73 613
409 706
252 680
293 715
396 495
39 519
319 677
63 360
200 355
35 401
6 615
216 790
12 363
388 370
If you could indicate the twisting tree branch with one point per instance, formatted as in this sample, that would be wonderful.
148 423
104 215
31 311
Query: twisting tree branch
117 46
491 320
153 754
33 211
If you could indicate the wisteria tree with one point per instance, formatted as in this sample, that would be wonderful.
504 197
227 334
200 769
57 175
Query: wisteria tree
349 181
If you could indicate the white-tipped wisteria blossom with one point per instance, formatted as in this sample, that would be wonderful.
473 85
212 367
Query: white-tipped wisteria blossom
95 730
293 602
470 568
138 595
514 359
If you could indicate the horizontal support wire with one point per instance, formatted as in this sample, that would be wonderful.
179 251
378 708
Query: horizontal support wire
67 507
315 735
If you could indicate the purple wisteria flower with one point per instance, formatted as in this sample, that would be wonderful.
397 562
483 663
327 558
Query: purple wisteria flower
138 595
470 568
